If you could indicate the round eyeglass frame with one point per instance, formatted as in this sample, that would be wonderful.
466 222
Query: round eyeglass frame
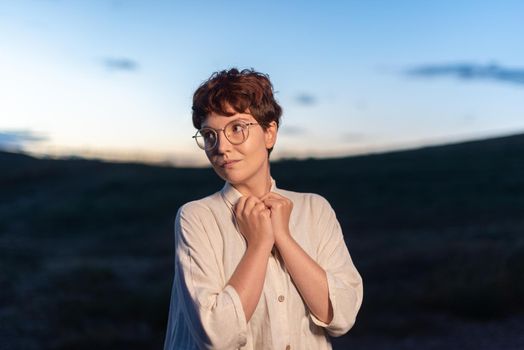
216 131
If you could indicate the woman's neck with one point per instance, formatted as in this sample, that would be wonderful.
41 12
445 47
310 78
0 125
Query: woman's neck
257 186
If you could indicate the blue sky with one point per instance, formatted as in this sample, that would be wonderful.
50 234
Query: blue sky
114 79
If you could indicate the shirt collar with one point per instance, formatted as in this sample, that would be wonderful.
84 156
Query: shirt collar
232 195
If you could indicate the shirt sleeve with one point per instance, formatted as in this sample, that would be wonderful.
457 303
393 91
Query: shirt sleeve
344 281
212 310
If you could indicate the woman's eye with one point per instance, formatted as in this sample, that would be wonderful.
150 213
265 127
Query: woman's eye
238 128
208 135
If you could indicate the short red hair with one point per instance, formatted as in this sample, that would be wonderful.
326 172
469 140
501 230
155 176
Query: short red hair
245 91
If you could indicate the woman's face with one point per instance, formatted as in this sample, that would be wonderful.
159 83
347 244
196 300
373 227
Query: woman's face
238 164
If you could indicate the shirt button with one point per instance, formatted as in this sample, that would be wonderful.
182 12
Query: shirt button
281 299
288 347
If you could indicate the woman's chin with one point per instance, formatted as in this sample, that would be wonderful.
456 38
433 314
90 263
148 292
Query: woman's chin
232 178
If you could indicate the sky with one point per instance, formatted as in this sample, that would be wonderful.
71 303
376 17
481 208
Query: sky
114 79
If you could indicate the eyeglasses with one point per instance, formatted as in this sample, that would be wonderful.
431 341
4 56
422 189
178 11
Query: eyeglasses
236 132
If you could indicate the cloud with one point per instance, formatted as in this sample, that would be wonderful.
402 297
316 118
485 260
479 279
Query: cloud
354 137
469 71
305 99
120 64
292 130
17 139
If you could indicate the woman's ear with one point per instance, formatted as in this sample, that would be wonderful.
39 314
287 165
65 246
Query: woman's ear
270 134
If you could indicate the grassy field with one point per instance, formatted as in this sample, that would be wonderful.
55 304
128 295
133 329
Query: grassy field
86 247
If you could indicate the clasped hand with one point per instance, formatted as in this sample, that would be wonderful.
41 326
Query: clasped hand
265 220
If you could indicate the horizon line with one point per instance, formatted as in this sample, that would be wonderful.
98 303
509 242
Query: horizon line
169 159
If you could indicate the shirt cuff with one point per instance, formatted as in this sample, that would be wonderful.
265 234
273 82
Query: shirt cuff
240 315
332 299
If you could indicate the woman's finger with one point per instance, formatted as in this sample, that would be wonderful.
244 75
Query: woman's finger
272 195
271 203
259 208
250 204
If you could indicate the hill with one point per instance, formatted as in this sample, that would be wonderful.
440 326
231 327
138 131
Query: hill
436 232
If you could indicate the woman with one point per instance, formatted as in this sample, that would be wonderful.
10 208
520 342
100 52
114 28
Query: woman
256 267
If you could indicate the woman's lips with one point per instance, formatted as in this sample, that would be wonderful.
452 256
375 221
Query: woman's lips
229 164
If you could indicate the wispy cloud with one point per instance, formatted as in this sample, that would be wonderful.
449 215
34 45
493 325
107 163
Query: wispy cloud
120 64
305 99
353 137
470 71
292 130
17 139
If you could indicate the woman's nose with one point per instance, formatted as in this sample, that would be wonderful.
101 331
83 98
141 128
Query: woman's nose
223 143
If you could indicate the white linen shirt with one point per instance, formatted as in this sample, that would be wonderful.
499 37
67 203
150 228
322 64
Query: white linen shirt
206 312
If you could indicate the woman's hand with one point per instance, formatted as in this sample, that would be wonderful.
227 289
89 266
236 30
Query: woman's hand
281 208
254 221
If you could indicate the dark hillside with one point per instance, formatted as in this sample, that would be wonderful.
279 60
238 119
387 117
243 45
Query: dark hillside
437 234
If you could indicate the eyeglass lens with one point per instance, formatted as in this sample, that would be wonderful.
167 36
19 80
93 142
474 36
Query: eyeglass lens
236 133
